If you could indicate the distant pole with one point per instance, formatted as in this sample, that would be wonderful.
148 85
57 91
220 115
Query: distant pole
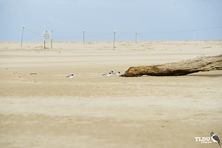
83 36
136 36
197 33
51 39
51 43
23 27
44 44
114 39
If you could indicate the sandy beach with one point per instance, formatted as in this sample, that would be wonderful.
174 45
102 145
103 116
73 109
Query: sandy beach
41 108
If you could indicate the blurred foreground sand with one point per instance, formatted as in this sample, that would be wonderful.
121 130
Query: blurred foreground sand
41 108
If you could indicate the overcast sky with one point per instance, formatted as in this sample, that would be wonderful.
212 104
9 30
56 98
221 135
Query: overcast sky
153 19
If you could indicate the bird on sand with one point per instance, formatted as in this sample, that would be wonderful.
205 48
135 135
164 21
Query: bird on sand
70 75
117 73
215 138
108 74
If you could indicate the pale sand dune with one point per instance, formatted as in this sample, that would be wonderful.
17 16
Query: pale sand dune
40 107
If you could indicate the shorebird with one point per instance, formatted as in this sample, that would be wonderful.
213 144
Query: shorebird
215 138
117 73
70 75
108 74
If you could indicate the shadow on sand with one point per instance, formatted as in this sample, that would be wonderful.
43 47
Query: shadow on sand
205 75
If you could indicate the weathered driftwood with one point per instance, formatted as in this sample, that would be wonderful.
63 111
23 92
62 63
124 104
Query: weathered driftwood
207 63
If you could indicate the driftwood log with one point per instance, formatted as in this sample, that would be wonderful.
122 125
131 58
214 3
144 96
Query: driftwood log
207 63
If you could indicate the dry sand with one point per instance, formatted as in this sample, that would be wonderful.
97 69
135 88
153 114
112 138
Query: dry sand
41 108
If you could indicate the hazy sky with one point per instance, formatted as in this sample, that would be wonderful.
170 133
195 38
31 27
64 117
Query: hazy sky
153 19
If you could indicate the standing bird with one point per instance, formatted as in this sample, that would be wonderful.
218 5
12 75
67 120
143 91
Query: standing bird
70 75
215 138
117 73
108 74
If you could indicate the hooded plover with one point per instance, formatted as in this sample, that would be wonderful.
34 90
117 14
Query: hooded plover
117 73
70 75
108 74
215 138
